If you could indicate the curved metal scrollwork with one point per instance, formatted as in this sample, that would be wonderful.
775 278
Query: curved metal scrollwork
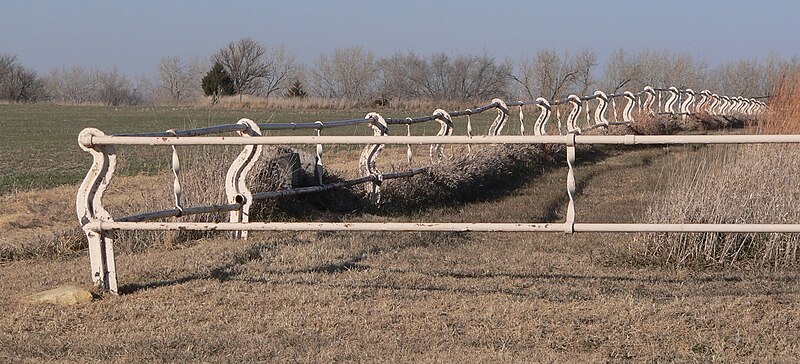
445 129
366 163
602 106
502 117
572 118
539 128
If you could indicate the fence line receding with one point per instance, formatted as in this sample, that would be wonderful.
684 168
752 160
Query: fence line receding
97 222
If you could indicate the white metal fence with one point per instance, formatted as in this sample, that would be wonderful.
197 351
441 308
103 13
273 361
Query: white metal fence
97 222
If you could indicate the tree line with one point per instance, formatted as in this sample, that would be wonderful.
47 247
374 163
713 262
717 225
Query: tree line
247 67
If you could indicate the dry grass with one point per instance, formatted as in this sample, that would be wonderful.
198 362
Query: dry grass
485 173
646 124
728 185
784 114
42 224
743 184
414 297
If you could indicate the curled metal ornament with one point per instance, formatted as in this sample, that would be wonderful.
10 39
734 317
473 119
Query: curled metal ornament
626 112
725 107
751 105
572 118
713 108
502 117
702 105
687 103
602 107
669 105
540 126
648 101
89 208
236 189
741 104
366 162
446 129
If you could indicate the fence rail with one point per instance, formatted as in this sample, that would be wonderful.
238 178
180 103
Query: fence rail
97 222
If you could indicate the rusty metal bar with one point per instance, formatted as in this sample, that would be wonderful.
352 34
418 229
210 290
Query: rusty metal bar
334 185
176 212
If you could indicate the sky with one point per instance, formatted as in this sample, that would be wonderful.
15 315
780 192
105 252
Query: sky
134 35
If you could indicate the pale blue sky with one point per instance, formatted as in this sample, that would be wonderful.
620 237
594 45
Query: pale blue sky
134 35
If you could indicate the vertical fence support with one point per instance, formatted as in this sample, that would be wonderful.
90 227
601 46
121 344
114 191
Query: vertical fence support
569 224
367 164
236 178
89 207
176 172
318 169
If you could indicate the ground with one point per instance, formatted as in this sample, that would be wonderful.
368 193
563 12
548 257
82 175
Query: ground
418 297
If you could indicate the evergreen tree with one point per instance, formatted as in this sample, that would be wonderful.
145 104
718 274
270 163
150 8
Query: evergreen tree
217 82
296 90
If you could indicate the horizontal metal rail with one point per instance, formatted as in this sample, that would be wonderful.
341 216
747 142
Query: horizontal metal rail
178 212
497 139
436 226
314 125
335 185
174 212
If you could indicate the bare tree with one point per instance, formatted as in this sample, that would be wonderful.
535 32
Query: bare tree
479 77
348 73
441 77
19 83
255 69
622 72
281 70
6 62
402 75
115 89
244 60
74 85
682 70
584 62
548 74
179 80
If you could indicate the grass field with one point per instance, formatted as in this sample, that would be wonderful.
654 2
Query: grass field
379 297
38 147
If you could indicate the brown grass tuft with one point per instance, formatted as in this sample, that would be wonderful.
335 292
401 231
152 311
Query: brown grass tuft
734 184
484 173
784 114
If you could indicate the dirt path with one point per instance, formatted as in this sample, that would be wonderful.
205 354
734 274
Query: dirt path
418 297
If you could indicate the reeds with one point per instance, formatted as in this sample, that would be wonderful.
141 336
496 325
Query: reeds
734 185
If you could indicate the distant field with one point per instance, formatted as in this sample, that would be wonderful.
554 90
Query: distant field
38 145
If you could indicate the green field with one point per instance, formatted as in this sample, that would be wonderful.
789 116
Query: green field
38 145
